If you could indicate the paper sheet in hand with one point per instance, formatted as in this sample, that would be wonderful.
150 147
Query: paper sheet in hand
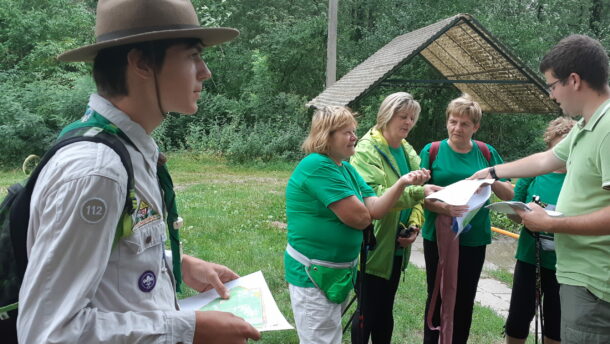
250 299
473 193
508 207
461 193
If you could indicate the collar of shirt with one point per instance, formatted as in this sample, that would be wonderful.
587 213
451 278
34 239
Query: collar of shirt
599 113
143 142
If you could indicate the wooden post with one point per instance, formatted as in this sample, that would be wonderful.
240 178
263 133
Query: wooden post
331 46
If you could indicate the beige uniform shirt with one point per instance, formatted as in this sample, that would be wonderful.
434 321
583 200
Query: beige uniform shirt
77 287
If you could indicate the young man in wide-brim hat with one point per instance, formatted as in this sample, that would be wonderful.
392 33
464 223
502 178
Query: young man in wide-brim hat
81 287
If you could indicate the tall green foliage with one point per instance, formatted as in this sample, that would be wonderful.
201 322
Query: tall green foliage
38 95
254 105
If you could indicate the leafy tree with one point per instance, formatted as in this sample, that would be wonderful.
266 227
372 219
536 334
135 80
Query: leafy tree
254 105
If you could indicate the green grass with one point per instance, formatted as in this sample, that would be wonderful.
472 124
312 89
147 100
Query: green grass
8 178
233 216
501 275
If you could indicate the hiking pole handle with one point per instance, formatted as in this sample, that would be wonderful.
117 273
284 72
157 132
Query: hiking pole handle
368 237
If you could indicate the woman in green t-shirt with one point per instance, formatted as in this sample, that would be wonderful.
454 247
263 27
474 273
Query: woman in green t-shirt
457 158
328 205
523 297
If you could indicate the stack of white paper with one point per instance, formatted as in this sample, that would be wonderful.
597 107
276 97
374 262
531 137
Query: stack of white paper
473 193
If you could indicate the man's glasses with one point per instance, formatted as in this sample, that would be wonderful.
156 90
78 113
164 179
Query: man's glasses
551 87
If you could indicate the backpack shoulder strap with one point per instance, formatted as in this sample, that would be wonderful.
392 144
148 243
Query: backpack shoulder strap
112 140
20 213
100 135
433 152
484 149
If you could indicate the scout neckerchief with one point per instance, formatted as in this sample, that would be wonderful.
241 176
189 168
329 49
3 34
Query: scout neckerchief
93 119
169 198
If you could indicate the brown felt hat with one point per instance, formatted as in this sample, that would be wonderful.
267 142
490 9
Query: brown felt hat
121 22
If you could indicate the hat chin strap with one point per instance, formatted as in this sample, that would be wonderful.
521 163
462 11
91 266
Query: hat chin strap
163 113
157 92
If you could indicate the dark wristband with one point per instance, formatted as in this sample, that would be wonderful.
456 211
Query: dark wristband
492 173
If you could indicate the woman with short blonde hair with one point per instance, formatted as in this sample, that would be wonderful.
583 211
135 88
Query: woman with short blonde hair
557 128
449 161
394 103
328 204
324 122
465 106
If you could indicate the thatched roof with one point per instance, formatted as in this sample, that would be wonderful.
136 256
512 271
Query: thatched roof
466 54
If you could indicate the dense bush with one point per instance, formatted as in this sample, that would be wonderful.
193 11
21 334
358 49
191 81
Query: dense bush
252 128
34 113
242 143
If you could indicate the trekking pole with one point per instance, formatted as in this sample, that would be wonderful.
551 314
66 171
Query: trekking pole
363 253
349 304
368 244
538 292
351 318
538 298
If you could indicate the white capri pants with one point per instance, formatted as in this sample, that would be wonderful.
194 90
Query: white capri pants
317 319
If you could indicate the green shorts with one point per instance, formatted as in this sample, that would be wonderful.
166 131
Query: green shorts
585 318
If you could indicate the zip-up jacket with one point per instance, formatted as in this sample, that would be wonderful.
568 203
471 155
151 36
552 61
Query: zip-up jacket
375 163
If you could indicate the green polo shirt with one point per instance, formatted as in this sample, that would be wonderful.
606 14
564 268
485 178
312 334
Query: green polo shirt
585 260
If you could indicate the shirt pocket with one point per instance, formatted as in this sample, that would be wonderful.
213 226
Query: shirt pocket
141 262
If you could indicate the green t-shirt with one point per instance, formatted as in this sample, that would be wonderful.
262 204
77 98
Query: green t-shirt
450 167
546 186
399 154
584 260
313 229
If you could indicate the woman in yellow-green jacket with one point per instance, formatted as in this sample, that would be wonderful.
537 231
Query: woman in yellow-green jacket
382 156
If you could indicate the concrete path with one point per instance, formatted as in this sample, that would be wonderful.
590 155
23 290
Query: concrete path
490 293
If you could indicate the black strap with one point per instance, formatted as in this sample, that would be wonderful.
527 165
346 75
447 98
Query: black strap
20 212
113 141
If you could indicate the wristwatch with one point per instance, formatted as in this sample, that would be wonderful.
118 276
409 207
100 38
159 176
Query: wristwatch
492 173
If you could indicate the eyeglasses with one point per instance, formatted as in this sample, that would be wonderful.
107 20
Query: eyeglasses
551 87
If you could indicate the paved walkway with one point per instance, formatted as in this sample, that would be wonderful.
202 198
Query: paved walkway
490 293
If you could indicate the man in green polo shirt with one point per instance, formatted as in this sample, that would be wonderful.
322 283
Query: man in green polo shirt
576 72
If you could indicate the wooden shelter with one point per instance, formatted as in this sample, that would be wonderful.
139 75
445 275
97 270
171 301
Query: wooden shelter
467 56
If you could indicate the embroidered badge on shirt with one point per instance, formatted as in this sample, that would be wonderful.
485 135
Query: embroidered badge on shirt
93 210
145 214
147 281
